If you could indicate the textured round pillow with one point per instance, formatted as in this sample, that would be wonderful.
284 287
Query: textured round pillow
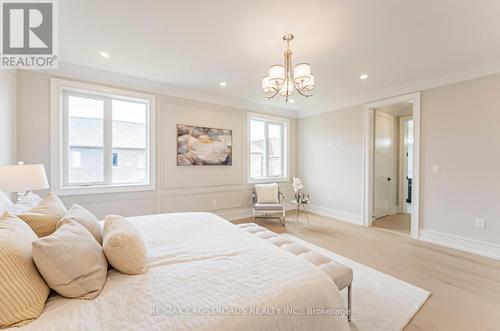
124 246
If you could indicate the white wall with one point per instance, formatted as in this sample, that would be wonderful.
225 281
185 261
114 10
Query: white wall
7 116
460 132
331 162
177 188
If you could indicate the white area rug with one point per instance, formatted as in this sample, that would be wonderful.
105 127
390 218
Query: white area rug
379 301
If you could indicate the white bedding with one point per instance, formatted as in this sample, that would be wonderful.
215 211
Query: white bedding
200 263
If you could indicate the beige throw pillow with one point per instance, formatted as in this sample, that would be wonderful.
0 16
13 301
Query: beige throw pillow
22 290
43 217
71 261
267 193
85 218
124 246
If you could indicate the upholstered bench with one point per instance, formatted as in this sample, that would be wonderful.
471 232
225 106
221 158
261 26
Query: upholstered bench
340 274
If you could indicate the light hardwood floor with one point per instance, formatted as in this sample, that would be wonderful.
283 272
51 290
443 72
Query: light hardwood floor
400 222
465 287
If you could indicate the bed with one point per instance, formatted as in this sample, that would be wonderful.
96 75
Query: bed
204 274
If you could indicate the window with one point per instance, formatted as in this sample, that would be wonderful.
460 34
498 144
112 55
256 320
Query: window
268 148
105 139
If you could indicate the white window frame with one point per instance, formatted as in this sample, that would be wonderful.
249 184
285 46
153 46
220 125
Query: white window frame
58 139
285 122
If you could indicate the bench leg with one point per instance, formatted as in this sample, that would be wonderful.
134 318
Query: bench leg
349 302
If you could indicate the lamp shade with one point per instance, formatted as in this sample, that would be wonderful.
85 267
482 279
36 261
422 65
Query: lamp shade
287 89
302 72
23 177
308 85
276 74
266 85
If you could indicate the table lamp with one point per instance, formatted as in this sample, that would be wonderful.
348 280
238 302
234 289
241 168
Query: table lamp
22 177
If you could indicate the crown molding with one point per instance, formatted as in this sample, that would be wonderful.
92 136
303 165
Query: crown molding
411 87
86 74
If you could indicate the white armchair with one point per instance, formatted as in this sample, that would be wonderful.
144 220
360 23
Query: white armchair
267 202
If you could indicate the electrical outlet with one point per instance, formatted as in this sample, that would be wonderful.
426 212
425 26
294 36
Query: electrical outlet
436 169
480 223
330 197
214 202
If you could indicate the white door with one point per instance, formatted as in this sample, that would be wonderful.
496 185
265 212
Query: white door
382 165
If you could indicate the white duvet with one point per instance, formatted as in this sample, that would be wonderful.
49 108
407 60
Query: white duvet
204 274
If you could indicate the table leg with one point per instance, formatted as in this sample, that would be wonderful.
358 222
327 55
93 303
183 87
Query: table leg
307 215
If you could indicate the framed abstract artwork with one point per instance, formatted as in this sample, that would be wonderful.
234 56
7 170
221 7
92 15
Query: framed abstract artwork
198 145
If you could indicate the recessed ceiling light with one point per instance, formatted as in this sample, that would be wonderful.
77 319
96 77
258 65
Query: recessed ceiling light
222 84
291 100
363 76
104 54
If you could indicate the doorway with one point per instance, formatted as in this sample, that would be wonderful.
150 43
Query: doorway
392 164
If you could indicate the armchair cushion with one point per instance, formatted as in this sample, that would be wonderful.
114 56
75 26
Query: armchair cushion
268 207
267 193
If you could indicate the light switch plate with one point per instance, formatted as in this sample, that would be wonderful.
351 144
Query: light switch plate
436 168
480 223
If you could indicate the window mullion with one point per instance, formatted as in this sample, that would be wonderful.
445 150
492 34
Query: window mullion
65 141
108 141
283 150
266 151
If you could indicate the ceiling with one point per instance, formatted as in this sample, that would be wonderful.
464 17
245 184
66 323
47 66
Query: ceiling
193 45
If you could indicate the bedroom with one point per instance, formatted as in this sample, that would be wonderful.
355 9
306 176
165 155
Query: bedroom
158 108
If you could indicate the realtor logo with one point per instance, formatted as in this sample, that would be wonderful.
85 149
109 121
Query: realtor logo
28 34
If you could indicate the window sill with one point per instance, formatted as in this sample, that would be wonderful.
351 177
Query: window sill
268 180
104 189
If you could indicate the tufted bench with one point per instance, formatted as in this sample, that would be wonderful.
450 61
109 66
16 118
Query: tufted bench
340 274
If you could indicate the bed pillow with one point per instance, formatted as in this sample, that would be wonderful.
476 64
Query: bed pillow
22 290
124 246
267 193
71 261
27 202
43 217
85 218
5 203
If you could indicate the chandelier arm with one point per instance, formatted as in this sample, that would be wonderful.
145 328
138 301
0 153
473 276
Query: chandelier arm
302 94
275 93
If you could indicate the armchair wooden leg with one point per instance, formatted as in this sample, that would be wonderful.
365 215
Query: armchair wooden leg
349 302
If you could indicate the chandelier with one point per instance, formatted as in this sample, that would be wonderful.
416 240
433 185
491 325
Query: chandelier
282 80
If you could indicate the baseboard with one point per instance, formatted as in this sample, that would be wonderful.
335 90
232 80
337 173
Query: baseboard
237 214
336 214
461 243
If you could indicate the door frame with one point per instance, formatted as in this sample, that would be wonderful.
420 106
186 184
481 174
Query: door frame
401 170
368 147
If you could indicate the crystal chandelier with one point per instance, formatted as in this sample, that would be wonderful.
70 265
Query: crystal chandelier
283 80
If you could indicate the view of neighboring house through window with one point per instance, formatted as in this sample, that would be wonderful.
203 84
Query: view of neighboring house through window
85 139
107 140
129 141
267 148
